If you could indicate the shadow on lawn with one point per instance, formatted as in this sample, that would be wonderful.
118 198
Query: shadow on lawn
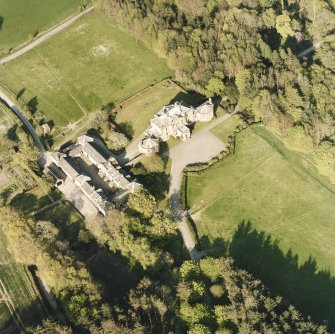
310 289
26 202
189 98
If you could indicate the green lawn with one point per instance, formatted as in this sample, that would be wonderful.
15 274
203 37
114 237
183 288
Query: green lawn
291 212
88 65
22 19
30 201
226 128
17 284
262 185
5 122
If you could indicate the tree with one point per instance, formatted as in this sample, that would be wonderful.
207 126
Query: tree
162 226
49 326
297 140
80 297
215 86
104 228
283 25
153 163
116 140
199 313
190 270
242 81
199 329
27 156
210 268
142 202
191 8
217 290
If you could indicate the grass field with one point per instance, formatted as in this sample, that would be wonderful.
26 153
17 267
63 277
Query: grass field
17 284
85 67
5 122
262 185
226 128
290 210
21 20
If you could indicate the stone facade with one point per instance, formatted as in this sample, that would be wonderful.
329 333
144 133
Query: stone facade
174 121
77 185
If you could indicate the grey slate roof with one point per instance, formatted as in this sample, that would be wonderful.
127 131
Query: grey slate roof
64 165
206 107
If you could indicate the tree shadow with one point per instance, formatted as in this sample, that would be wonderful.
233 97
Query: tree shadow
94 132
310 289
164 150
126 128
20 93
272 38
191 98
11 133
32 105
156 183
2 20
26 203
297 46
193 225
112 272
64 217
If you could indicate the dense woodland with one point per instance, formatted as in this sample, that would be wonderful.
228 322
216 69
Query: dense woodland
246 51
212 296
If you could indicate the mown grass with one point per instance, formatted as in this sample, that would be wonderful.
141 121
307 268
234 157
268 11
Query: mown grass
4 120
226 128
90 64
276 215
23 19
278 190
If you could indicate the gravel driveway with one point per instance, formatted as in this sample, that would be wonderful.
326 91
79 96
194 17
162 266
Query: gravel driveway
200 148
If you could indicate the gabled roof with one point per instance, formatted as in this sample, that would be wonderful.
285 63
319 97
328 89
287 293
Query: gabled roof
184 129
149 143
93 154
206 108
84 139
82 179
75 152
161 121
64 165
178 108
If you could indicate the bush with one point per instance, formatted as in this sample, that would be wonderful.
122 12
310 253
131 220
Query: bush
153 163
142 202
217 290
297 140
